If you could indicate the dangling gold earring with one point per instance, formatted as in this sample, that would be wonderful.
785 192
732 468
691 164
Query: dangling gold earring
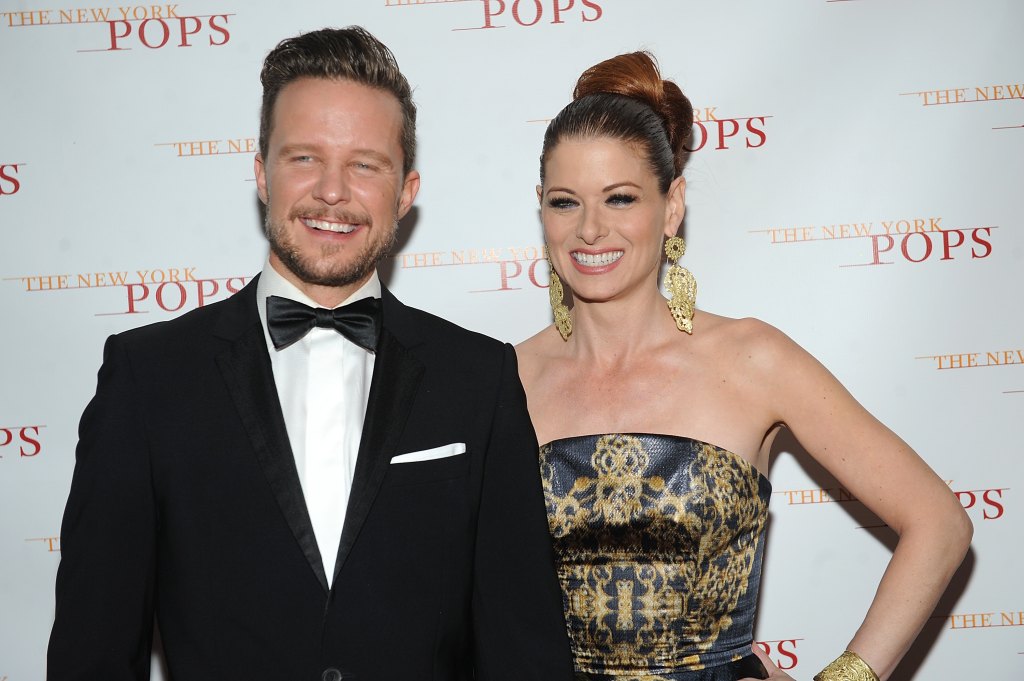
681 285
563 322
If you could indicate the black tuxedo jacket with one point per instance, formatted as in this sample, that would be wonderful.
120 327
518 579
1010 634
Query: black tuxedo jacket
186 504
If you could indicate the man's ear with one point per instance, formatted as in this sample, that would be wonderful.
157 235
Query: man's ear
261 177
410 187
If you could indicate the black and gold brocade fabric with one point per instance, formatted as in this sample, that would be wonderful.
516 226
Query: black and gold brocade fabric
658 541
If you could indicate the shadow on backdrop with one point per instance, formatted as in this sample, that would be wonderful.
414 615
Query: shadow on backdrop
926 639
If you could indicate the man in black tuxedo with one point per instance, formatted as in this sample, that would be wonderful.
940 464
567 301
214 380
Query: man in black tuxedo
311 481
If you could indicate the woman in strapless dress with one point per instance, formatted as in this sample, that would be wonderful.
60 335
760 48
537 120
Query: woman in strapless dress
658 422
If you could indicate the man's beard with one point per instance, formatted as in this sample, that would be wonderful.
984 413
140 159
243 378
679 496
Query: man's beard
320 270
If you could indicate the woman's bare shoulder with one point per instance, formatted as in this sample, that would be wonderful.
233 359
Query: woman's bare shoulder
753 349
744 334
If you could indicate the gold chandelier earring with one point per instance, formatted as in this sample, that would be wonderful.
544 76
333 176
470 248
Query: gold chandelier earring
563 322
680 284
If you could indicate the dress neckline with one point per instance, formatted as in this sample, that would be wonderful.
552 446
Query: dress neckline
751 467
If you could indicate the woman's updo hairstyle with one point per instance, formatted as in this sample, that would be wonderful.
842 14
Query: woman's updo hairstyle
625 98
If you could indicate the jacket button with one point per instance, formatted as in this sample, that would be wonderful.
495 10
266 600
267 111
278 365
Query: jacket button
331 674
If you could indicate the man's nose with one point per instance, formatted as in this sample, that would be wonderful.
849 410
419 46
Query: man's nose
332 186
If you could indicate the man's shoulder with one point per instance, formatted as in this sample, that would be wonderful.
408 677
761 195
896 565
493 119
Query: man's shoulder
438 326
195 326
439 337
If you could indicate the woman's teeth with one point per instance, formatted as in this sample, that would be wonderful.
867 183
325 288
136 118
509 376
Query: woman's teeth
596 259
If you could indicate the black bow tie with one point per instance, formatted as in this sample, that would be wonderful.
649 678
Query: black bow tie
288 321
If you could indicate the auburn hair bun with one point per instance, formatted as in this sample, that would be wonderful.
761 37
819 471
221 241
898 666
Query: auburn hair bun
636 75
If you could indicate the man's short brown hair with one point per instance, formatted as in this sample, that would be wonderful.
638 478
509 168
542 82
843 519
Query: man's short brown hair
350 53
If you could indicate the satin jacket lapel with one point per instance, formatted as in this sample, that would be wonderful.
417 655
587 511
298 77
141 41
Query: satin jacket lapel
250 380
396 378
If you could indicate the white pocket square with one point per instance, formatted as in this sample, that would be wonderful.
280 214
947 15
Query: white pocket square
430 454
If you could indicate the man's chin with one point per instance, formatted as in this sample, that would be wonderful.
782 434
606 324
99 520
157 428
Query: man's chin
335 276
327 267
338 281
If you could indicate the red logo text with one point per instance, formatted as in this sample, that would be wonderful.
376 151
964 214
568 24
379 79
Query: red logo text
721 132
521 272
174 296
528 13
985 502
782 652
24 440
517 267
9 183
166 29
920 246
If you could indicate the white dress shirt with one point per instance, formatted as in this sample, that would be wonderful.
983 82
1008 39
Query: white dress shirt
323 382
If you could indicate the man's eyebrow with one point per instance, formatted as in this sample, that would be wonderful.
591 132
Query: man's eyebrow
289 149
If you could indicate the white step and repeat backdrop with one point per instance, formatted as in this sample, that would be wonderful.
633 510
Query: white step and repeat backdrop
856 181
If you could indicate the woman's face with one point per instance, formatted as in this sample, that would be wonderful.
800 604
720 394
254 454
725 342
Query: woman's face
605 219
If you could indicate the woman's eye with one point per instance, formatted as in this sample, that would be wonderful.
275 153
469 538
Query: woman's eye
561 202
621 199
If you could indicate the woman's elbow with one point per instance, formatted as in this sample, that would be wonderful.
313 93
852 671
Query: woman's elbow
960 532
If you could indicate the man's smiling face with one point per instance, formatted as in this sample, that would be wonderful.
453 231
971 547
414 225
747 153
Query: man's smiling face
332 182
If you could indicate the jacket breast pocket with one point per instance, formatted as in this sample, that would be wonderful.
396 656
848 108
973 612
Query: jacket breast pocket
431 470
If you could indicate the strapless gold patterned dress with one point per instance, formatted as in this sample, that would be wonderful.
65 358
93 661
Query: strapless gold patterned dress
658 542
